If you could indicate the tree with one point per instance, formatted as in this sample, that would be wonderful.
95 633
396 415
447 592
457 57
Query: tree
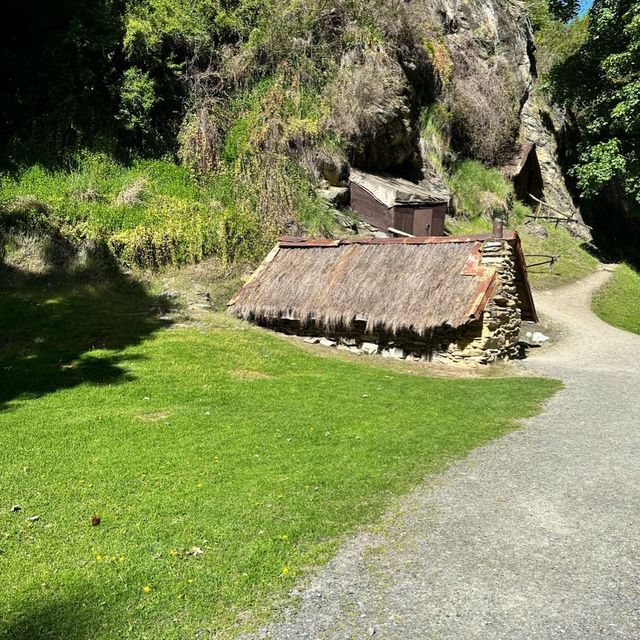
564 10
601 84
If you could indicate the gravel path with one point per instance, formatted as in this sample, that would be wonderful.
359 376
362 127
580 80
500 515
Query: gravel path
534 536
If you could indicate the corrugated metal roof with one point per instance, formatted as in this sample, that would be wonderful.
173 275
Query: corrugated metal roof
392 191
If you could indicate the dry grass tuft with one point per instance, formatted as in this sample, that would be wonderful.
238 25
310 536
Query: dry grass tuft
201 136
25 205
245 374
156 416
89 195
132 194
27 252
366 93
485 109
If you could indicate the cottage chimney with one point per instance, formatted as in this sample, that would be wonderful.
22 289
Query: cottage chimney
498 226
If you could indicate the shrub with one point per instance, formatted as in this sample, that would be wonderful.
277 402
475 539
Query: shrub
239 237
201 137
179 233
555 39
263 154
440 57
485 110
480 190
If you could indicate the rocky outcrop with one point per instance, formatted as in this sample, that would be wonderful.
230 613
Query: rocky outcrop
478 61
544 125
485 31
373 109
377 94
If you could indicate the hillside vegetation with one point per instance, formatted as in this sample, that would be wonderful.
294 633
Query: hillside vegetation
174 130
147 213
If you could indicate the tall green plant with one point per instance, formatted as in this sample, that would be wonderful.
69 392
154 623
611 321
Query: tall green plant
601 83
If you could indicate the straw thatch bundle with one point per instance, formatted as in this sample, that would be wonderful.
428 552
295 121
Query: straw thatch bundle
405 285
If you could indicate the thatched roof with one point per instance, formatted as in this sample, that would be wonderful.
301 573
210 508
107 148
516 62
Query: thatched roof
393 284
392 191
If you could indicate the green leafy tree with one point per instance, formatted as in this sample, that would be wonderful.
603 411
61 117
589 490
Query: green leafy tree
601 84
555 39
564 10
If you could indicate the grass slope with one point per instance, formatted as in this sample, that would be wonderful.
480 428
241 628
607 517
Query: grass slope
152 213
618 302
574 262
223 462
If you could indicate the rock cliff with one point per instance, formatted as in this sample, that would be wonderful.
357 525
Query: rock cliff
481 67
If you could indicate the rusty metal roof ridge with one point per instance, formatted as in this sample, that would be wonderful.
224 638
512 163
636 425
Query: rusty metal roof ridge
290 241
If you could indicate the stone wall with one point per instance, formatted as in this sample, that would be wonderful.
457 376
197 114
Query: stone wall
501 321
492 338
441 345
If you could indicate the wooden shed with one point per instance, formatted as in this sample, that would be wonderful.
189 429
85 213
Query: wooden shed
446 298
387 203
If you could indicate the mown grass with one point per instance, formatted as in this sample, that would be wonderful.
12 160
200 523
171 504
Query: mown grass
618 301
222 461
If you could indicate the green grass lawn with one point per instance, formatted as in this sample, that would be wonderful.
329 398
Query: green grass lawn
618 302
222 461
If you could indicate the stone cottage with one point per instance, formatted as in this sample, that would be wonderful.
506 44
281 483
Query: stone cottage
432 298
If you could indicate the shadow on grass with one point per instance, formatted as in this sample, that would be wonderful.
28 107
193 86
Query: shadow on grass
55 619
52 324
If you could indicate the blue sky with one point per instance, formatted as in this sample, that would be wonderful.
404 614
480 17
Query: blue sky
584 5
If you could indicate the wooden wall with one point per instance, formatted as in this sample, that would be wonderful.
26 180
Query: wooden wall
418 221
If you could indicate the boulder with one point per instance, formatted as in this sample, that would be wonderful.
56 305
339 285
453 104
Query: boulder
334 170
335 197
539 337
394 352
369 348
536 230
